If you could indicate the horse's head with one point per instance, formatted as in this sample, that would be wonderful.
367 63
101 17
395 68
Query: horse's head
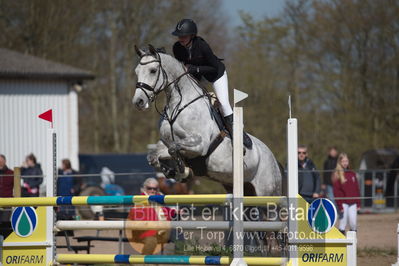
151 77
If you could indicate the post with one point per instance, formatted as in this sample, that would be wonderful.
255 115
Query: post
373 190
397 232
395 194
351 249
292 153
238 188
17 182
292 156
50 175
1 248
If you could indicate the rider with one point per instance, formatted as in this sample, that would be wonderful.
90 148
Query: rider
200 61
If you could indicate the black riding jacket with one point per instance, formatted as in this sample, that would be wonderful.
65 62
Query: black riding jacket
200 54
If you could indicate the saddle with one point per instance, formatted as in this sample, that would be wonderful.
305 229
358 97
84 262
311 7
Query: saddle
216 114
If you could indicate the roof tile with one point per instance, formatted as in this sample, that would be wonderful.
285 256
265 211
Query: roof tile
17 65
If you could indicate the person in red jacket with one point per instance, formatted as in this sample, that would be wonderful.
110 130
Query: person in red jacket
6 179
346 186
154 212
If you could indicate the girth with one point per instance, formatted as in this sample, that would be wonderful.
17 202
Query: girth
198 164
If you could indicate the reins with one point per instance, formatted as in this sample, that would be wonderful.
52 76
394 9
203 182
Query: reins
166 84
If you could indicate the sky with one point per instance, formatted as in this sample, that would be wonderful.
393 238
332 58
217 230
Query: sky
257 8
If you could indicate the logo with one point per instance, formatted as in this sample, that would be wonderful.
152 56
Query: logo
24 221
322 215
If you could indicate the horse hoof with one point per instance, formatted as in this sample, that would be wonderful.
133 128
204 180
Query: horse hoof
184 176
174 149
153 160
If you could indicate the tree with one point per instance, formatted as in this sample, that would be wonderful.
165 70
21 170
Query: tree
339 61
100 36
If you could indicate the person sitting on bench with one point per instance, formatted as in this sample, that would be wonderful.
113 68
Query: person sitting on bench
154 212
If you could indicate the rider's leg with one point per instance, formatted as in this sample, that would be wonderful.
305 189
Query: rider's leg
221 87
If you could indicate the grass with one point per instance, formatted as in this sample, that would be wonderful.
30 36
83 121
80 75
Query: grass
373 251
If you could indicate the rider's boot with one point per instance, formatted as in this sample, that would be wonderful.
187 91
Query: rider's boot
229 126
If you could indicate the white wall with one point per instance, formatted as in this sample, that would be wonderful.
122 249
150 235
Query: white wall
22 132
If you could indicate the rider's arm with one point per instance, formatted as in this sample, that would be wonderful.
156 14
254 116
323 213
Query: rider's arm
211 59
177 53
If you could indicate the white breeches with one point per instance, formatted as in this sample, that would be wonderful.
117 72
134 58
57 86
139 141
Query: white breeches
350 214
221 87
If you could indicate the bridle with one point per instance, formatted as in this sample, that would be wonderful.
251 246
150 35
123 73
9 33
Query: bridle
165 84
145 87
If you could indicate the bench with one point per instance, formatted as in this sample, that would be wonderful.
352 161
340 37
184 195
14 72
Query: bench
119 239
112 214
68 246
89 239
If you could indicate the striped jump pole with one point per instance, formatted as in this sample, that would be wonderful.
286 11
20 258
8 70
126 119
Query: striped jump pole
164 225
218 199
51 183
162 259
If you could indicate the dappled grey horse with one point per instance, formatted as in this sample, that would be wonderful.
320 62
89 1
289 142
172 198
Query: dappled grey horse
188 127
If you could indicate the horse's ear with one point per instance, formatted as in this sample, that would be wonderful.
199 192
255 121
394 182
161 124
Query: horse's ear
139 52
153 51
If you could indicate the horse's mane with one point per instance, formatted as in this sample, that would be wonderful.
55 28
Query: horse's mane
172 64
171 60
165 57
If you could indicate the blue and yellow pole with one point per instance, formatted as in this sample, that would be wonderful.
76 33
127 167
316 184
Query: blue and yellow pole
162 259
136 199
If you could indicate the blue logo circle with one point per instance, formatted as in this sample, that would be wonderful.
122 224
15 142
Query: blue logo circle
322 215
24 221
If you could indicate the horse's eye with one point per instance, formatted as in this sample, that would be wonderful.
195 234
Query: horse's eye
153 71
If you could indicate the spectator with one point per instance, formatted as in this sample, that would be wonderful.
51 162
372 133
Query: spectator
66 186
346 186
329 166
6 179
308 177
150 238
30 187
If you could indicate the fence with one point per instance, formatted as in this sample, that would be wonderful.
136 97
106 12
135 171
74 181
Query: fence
378 187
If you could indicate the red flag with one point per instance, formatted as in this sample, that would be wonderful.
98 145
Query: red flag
48 115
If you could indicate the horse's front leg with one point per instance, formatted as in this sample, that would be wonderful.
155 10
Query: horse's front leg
171 165
159 153
188 145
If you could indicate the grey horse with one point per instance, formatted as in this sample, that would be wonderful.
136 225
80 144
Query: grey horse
189 128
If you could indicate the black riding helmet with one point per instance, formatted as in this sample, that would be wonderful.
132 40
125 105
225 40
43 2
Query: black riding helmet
185 27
